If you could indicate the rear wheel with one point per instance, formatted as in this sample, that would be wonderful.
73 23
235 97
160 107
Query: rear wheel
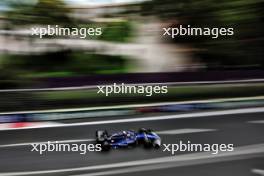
101 135
105 146
134 144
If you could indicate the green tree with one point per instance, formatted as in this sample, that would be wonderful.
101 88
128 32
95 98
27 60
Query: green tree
40 12
245 16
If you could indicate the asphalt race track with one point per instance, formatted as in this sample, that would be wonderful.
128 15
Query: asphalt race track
244 130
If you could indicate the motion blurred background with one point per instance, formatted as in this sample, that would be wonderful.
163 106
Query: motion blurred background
131 49
48 86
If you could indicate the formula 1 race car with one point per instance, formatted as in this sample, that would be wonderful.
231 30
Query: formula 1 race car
128 138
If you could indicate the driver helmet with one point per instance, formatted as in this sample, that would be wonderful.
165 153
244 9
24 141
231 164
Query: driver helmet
124 133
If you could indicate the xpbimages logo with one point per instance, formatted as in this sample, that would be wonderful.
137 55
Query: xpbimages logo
147 90
191 147
49 146
197 31
63 31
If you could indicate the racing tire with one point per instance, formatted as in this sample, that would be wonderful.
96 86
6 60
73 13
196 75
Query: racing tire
101 135
105 146
134 144
156 144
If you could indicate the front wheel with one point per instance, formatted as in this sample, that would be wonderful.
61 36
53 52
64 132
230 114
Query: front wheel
156 143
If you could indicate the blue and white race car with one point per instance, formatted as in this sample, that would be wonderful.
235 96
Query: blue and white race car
124 139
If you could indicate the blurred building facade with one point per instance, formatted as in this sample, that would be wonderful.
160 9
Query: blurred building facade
146 50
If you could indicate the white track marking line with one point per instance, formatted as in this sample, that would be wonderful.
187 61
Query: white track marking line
63 141
182 160
258 171
218 100
162 166
137 84
184 131
256 121
169 132
167 117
